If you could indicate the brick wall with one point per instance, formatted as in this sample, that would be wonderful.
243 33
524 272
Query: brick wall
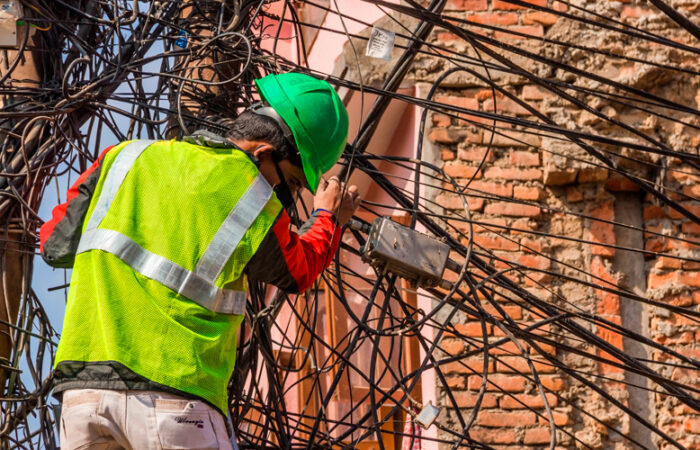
544 204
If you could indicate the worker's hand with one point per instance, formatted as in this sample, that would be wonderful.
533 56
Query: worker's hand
328 197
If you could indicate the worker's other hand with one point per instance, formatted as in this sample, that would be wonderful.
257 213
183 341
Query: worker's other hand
328 197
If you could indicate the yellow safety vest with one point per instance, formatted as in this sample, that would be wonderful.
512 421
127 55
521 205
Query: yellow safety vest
158 282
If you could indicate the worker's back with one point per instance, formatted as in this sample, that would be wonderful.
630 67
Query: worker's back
166 233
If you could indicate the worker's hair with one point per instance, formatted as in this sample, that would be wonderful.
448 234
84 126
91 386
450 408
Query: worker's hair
254 127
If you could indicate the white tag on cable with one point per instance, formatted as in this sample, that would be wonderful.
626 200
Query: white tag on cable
381 43
9 12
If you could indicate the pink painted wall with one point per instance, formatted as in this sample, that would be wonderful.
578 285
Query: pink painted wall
397 135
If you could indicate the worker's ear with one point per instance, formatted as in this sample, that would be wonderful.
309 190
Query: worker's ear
263 151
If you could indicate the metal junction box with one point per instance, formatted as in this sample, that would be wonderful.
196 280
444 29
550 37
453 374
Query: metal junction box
392 247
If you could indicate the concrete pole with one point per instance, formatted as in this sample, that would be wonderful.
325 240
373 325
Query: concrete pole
18 246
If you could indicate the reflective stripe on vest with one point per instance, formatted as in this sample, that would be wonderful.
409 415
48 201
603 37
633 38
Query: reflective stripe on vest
199 286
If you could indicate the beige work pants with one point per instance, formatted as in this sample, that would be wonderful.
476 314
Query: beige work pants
139 420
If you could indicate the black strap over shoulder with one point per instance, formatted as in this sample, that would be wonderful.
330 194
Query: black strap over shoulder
208 138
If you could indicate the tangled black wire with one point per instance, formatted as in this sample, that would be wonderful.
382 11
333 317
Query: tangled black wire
354 362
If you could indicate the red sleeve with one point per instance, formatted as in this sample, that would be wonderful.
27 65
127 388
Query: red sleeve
293 261
59 236
308 254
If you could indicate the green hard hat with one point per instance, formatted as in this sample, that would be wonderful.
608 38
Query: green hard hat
316 116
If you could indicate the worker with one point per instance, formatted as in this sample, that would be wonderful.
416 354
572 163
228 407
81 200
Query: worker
163 237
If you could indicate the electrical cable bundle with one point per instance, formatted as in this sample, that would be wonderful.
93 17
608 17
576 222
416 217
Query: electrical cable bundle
349 362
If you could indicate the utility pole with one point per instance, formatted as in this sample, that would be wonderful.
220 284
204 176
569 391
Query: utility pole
20 68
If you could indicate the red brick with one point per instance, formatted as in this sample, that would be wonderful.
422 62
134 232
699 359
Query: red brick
653 212
498 419
512 209
531 92
476 154
537 279
546 349
618 183
655 245
458 170
683 409
692 190
518 364
532 401
675 244
528 193
615 339
692 425
666 262
441 120
508 348
634 12
603 232
529 30
496 243
452 346
683 176
559 6
609 369
496 189
450 201
553 382
504 5
456 382
485 94
472 329
459 102
608 303
495 19
693 208
505 105
444 136
658 228
679 300
659 280
447 37
510 138
475 203
519 158
560 419
509 173
467 5
447 154
493 436
559 177
537 436
573 194
690 228
539 331
529 261
523 224
499 225
690 278
541 17
514 312
468 400
592 175
467 366
532 245
498 382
